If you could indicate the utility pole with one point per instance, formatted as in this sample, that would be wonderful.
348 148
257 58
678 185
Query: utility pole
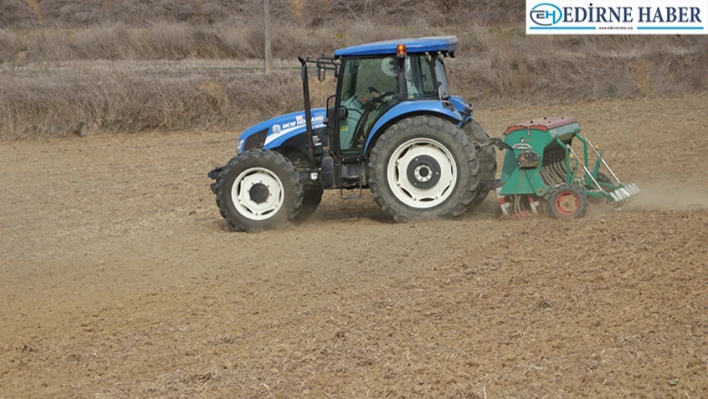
266 22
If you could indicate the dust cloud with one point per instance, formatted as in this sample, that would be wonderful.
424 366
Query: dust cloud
666 196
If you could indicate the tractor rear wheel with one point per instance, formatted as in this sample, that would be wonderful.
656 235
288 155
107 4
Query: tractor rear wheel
258 190
423 167
487 159
567 201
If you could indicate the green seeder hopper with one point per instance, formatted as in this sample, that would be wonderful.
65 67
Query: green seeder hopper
542 172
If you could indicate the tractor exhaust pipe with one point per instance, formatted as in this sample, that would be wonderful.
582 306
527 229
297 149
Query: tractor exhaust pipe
308 109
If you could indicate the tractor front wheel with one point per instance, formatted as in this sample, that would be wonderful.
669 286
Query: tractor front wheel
423 167
258 190
567 201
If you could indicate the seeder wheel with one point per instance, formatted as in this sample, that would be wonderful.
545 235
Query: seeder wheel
567 201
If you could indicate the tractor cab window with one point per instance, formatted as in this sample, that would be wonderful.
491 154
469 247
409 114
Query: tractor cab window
419 78
369 86
442 78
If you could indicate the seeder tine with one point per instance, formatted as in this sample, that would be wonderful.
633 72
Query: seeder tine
624 194
634 190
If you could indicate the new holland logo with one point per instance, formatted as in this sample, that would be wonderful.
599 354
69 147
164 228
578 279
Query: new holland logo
617 17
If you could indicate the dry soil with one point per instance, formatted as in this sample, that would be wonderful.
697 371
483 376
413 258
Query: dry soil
119 279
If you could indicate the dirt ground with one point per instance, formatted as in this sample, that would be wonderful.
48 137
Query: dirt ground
119 279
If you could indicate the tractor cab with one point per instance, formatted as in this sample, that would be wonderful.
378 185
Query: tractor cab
379 84
374 78
371 85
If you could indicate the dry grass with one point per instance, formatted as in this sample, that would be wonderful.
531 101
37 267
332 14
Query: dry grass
87 97
61 99
84 100
74 74
524 70
311 13
176 41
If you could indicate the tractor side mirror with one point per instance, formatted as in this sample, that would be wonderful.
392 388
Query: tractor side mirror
321 73
342 113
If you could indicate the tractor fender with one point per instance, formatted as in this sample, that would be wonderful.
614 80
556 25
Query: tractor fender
461 105
408 109
464 108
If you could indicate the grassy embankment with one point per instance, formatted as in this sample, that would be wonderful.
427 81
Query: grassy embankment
174 66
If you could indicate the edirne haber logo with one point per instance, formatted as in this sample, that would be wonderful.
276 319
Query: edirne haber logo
608 17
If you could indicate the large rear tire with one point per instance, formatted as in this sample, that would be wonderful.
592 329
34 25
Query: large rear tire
487 158
423 167
259 190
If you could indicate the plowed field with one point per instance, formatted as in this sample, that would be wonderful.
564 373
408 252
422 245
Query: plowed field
119 279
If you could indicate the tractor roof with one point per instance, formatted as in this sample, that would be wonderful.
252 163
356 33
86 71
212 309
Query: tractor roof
445 44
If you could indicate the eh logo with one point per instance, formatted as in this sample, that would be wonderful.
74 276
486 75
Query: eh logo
546 14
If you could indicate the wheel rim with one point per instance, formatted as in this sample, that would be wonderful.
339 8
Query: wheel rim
422 173
567 203
257 194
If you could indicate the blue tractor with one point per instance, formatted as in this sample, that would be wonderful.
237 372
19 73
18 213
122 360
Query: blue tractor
392 127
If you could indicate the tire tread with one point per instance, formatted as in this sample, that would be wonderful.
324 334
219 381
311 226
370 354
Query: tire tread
277 160
399 212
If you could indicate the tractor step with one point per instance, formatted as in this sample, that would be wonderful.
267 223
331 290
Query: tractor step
350 184
350 178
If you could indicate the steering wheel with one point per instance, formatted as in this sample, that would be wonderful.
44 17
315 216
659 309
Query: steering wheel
369 106
377 100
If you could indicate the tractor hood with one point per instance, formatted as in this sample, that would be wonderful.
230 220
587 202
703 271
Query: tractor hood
274 132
